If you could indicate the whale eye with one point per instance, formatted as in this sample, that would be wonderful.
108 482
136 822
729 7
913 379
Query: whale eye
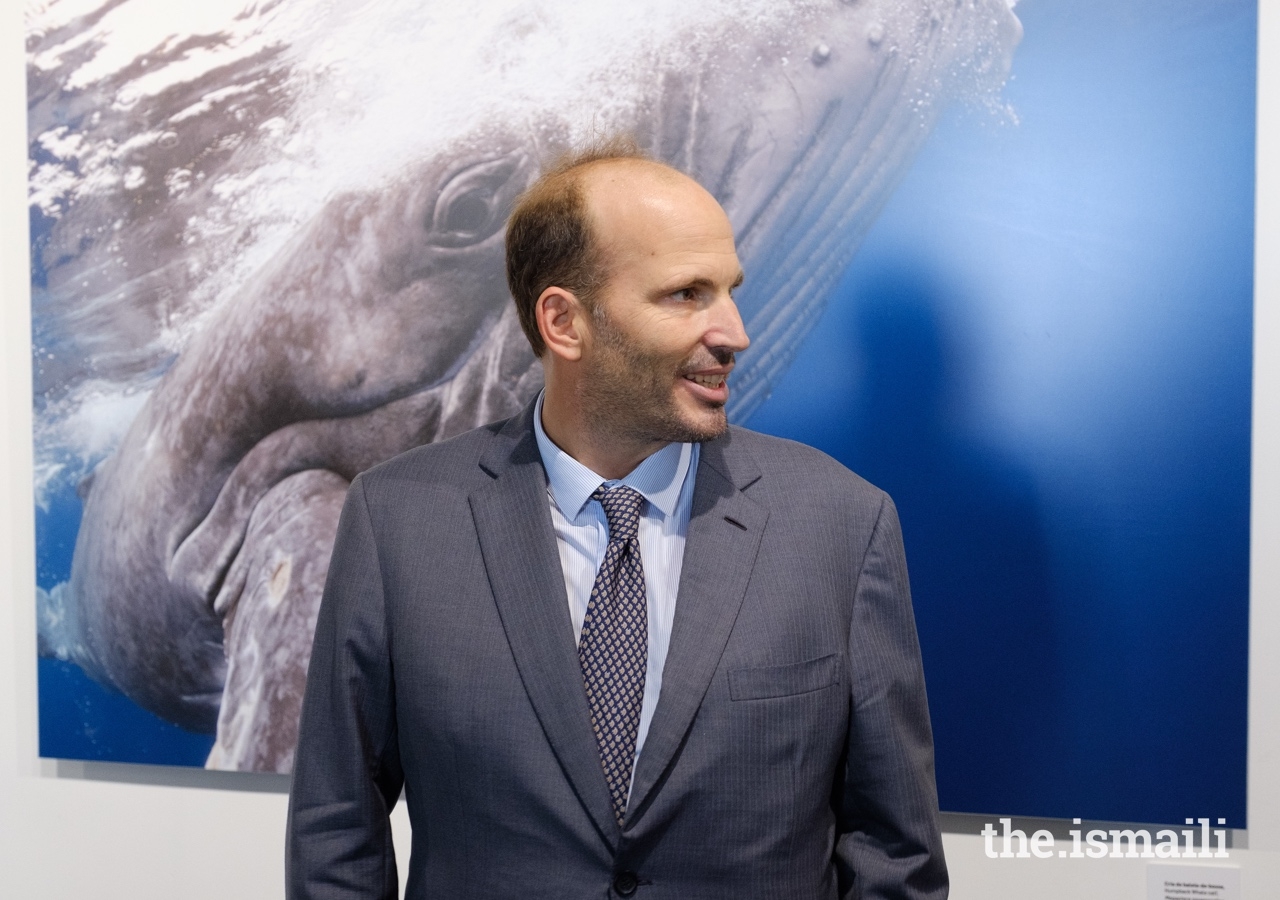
474 202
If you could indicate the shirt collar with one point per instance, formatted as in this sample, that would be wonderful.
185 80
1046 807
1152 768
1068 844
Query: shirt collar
659 477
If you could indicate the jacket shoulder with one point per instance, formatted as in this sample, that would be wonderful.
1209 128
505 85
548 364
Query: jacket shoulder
454 461
798 468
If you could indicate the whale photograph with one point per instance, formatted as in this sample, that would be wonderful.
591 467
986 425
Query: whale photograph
267 255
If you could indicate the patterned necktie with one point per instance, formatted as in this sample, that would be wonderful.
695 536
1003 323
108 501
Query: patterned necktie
614 646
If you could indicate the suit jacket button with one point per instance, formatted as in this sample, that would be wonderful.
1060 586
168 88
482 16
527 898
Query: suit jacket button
625 883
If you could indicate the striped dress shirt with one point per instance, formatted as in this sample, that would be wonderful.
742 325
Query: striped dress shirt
665 479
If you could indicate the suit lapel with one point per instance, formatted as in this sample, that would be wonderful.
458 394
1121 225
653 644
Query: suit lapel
517 540
725 528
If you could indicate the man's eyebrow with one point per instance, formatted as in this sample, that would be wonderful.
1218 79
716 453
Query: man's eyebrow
703 282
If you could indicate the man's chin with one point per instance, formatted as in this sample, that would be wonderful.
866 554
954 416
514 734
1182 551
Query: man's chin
707 425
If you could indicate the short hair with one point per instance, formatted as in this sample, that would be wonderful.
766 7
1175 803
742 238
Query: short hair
549 238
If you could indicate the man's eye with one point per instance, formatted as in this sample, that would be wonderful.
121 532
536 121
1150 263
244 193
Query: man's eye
686 294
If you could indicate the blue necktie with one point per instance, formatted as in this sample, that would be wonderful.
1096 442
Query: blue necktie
614 646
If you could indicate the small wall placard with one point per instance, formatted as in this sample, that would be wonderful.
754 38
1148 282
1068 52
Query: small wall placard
1173 882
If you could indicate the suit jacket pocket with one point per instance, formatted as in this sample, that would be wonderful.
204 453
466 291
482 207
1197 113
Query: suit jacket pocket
784 681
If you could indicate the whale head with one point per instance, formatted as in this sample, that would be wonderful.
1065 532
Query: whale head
372 315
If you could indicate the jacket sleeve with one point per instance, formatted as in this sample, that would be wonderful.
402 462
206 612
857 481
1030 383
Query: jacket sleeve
887 844
346 774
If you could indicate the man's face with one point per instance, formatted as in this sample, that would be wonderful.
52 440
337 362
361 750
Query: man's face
664 329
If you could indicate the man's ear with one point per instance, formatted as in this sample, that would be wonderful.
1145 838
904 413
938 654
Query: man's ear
561 320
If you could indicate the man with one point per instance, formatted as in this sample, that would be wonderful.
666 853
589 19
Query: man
612 647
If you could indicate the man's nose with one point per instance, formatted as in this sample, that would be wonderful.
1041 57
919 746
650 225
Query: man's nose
727 330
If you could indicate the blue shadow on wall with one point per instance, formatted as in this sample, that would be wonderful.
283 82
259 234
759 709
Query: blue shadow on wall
1043 353
974 519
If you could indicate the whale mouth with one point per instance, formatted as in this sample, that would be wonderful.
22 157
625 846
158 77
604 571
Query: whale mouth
204 560
492 379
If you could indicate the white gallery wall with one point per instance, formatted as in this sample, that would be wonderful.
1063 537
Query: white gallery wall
70 830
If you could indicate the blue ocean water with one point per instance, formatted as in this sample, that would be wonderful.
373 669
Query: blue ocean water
57 522
81 719
1043 352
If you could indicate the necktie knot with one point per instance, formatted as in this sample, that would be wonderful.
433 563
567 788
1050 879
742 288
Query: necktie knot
622 507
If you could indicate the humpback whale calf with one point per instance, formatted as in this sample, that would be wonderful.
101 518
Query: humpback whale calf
383 321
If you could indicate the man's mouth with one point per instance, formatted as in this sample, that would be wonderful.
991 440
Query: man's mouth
710 381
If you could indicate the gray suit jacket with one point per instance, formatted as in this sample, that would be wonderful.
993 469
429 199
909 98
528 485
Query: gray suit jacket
790 755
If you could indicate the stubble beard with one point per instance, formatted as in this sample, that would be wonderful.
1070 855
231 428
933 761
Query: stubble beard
629 395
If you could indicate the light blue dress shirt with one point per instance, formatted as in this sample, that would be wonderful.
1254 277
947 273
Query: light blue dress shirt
665 479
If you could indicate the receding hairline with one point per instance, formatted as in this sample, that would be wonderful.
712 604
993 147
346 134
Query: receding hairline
639 182
579 176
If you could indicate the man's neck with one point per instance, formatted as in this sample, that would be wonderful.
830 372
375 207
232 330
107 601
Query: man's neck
610 456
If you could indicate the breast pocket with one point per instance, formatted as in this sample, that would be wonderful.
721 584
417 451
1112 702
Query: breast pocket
763 682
